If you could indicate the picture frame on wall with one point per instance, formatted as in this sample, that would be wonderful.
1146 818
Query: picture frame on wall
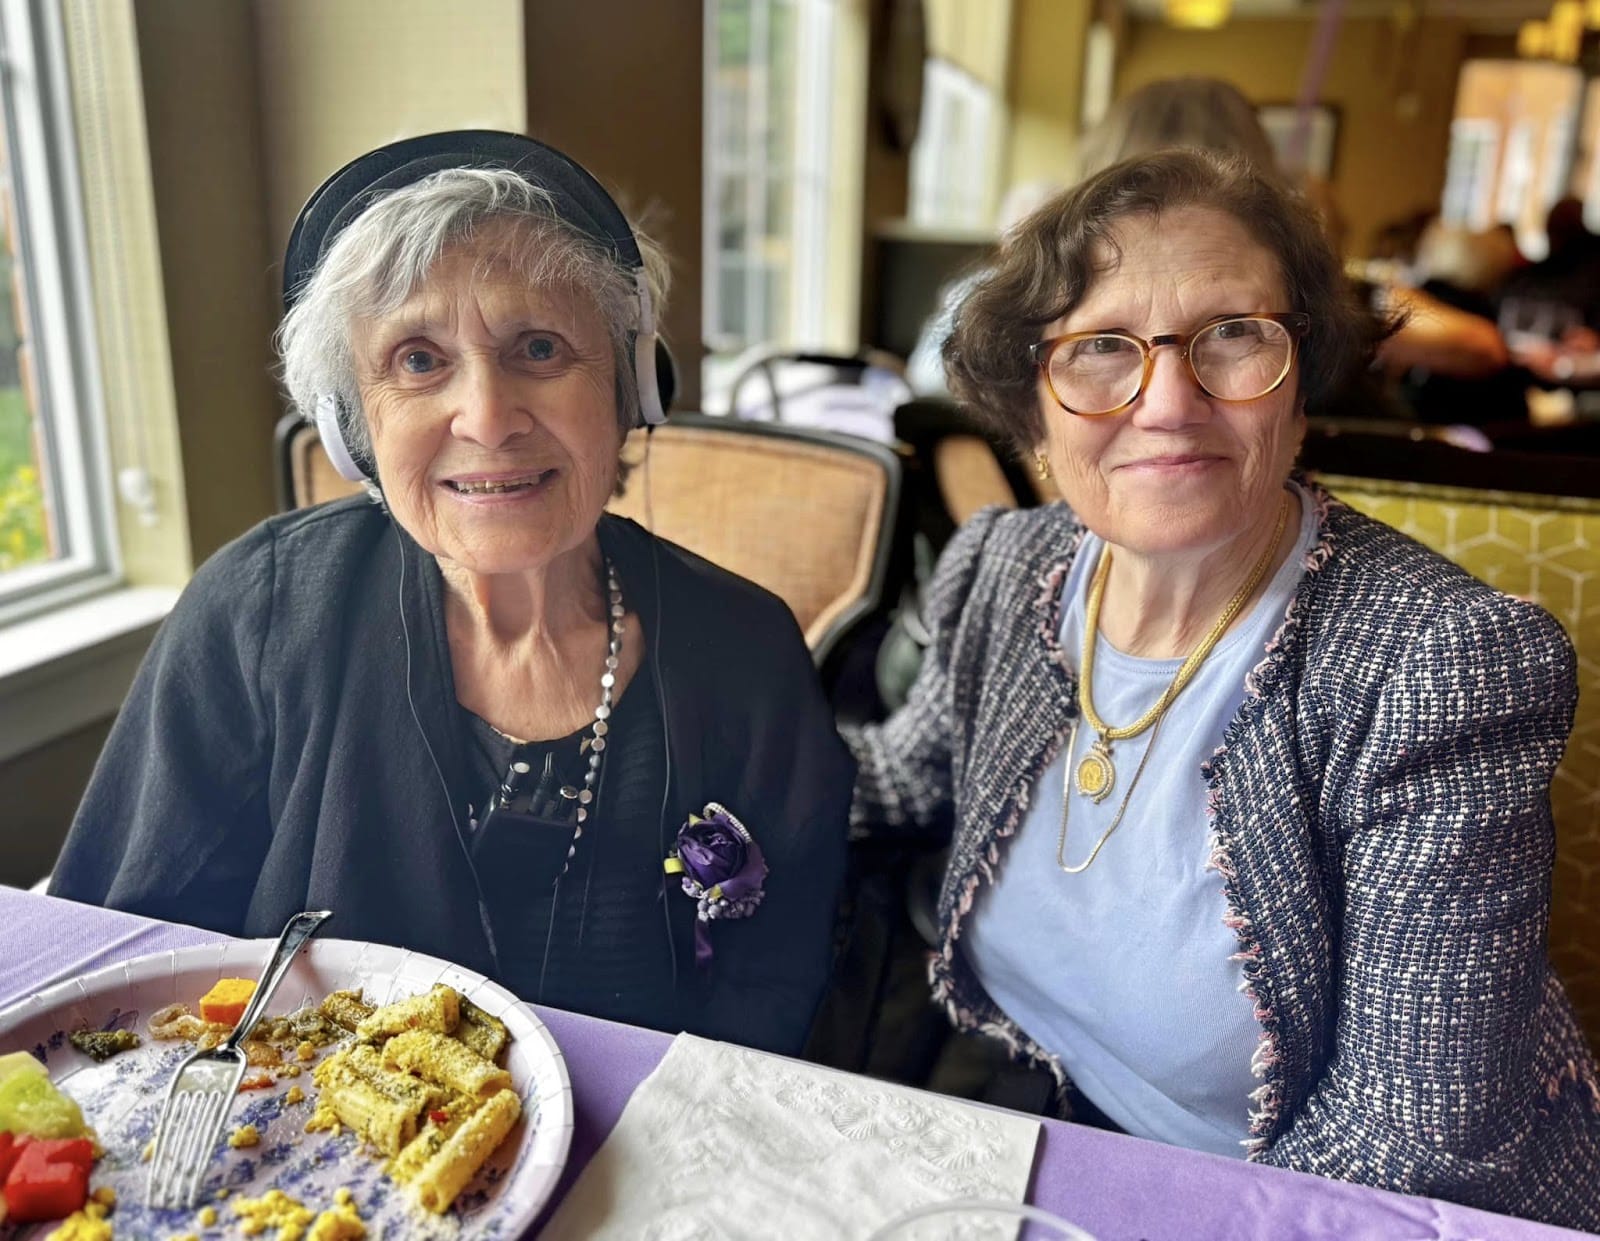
1316 150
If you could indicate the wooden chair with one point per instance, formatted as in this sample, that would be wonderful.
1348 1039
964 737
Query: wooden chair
1532 534
966 464
305 475
810 515
969 477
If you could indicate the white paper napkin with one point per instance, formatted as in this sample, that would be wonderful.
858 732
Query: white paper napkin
722 1143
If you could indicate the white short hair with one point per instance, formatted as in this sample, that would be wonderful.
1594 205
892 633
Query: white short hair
385 255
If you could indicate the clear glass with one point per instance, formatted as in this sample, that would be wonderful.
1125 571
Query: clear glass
1233 358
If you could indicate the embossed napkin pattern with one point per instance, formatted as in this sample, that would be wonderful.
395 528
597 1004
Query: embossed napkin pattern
722 1143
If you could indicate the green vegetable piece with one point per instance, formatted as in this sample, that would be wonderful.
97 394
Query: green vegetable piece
103 1044
30 1103
20 1062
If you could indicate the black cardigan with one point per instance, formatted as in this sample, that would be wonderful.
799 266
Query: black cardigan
272 757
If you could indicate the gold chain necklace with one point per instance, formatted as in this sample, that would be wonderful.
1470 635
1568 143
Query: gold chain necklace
1066 803
1097 775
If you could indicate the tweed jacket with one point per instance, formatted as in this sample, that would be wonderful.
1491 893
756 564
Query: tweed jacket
1379 817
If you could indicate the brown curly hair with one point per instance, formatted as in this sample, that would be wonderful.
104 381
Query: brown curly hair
1052 258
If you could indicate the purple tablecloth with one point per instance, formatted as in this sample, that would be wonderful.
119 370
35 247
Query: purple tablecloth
1118 1188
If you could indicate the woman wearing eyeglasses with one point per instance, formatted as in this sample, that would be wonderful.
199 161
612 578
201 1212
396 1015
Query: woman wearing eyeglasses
1248 793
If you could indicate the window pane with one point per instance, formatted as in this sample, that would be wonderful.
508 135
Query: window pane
954 146
24 526
56 529
768 114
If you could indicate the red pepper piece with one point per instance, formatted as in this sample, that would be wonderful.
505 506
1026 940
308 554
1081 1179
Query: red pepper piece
76 1151
49 1180
439 1117
10 1148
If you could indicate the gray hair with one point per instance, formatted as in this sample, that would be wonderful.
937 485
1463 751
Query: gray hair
385 255
1194 112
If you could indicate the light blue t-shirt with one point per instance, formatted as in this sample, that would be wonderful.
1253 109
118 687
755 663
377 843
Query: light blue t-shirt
1125 971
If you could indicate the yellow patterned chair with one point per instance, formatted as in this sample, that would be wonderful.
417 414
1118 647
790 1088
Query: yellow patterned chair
1545 548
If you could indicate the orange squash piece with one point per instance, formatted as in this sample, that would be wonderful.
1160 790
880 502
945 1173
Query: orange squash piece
225 1002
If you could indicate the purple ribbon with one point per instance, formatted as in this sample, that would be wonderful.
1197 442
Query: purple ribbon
722 868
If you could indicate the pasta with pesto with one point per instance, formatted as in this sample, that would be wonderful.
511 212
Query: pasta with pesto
416 1085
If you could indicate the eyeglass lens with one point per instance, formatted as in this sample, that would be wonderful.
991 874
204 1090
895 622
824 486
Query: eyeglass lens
1235 360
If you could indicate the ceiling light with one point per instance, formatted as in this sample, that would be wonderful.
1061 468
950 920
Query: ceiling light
1197 14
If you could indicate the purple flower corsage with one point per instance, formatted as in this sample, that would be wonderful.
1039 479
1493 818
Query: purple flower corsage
721 867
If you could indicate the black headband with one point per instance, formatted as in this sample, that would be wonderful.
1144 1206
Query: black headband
580 201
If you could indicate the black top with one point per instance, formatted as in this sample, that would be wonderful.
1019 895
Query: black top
293 741
591 939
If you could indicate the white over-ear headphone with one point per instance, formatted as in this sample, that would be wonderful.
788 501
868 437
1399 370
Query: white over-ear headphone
653 370
580 202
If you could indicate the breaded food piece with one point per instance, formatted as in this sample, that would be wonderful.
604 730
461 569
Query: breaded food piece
445 1062
381 1105
458 1158
438 1010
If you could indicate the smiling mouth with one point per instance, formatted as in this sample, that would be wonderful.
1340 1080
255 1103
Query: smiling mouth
498 486
1176 459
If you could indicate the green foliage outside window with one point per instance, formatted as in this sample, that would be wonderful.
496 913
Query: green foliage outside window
23 531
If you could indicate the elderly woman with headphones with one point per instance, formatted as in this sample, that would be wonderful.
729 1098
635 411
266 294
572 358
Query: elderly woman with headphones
481 718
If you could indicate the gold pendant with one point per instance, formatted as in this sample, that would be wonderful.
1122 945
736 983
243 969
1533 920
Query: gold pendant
1097 775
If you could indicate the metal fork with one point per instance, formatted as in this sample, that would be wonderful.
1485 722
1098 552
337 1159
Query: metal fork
206 1083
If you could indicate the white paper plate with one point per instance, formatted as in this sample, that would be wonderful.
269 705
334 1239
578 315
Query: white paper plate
122 1098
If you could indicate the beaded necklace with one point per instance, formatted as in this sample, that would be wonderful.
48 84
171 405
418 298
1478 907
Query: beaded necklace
512 796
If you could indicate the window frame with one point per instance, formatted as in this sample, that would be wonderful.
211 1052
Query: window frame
1470 166
805 187
959 134
53 257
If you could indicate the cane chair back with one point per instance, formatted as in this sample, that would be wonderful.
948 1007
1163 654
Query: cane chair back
808 514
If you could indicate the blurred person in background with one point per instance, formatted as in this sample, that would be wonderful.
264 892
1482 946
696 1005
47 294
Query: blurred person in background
1199 113
1202 113
1463 271
1208 114
1396 242
1550 310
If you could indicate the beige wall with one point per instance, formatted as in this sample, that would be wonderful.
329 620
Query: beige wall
249 107
198 69
1395 88
339 77
41 790
974 34
1046 88
618 85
